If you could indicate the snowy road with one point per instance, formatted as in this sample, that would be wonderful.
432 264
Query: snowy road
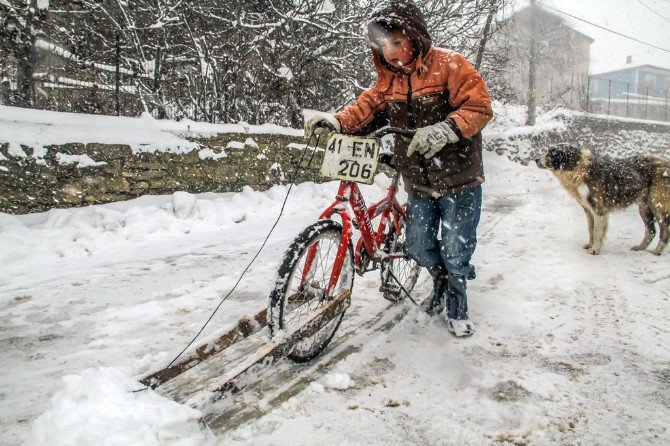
569 349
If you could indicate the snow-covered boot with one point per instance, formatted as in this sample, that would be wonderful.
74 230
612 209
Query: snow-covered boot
435 303
461 328
458 321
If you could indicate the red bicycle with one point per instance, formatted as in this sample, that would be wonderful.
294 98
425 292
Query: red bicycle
315 278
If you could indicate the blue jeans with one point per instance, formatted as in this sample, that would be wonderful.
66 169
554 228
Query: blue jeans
456 216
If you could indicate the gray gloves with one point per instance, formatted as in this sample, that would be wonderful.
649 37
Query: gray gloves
312 127
431 139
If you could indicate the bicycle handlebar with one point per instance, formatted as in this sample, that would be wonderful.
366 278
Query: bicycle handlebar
326 125
377 134
384 158
393 130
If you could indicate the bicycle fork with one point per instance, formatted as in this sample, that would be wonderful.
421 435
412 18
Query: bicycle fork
340 256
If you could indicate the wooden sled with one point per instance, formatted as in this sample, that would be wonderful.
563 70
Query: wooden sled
229 363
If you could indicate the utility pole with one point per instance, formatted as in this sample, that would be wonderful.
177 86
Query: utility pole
118 74
646 104
532 66
627 96
609 95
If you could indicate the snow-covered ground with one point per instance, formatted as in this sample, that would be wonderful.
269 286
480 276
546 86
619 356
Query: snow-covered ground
569 349
568 346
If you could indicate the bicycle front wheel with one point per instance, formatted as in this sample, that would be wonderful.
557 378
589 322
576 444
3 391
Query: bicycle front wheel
398 272
302 281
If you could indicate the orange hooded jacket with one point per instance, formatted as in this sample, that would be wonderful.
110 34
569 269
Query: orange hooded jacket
442 87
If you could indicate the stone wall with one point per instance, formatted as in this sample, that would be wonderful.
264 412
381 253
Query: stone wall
114 172
604 135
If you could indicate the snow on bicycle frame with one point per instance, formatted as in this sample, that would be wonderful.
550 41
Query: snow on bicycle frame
317 271
353 160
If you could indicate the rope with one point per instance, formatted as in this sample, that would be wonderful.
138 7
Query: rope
281 211
402 287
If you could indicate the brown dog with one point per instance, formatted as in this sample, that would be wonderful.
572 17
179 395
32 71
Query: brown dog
602 185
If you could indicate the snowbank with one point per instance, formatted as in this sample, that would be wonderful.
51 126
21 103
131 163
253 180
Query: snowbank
88 404
40 128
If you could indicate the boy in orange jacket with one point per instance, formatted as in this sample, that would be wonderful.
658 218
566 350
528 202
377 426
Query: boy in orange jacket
438 93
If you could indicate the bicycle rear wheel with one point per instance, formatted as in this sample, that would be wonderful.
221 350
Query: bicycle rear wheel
397 266
299 293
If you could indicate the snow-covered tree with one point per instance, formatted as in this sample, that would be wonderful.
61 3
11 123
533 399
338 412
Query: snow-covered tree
21 24
249 60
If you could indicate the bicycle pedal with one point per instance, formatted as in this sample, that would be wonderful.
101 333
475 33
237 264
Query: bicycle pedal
367 264
393 297
389 288
367 269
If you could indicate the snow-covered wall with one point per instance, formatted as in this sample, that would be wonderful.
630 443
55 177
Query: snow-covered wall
78 174
606 135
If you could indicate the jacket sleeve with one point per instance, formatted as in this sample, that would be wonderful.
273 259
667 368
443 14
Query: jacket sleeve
468 95
365 115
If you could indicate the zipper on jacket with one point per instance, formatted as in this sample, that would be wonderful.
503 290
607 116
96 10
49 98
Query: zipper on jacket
410 112
425 162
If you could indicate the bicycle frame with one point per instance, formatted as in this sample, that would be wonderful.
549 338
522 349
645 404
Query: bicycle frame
389 208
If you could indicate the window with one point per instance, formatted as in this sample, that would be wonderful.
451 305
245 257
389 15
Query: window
649 80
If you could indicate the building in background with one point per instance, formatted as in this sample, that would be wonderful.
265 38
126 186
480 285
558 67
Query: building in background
563 57
634 91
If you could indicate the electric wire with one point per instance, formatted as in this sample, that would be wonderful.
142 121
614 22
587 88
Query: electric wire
657 13
607 29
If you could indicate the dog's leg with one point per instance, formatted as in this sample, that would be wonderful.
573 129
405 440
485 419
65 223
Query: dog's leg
599 231
589 221
664 224
649 227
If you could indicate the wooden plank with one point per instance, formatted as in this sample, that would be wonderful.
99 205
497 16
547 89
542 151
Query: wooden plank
244 328
233 381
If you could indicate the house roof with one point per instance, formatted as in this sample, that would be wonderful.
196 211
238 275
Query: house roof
528 8
633 67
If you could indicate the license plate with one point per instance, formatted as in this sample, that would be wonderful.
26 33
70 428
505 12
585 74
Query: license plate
350 158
